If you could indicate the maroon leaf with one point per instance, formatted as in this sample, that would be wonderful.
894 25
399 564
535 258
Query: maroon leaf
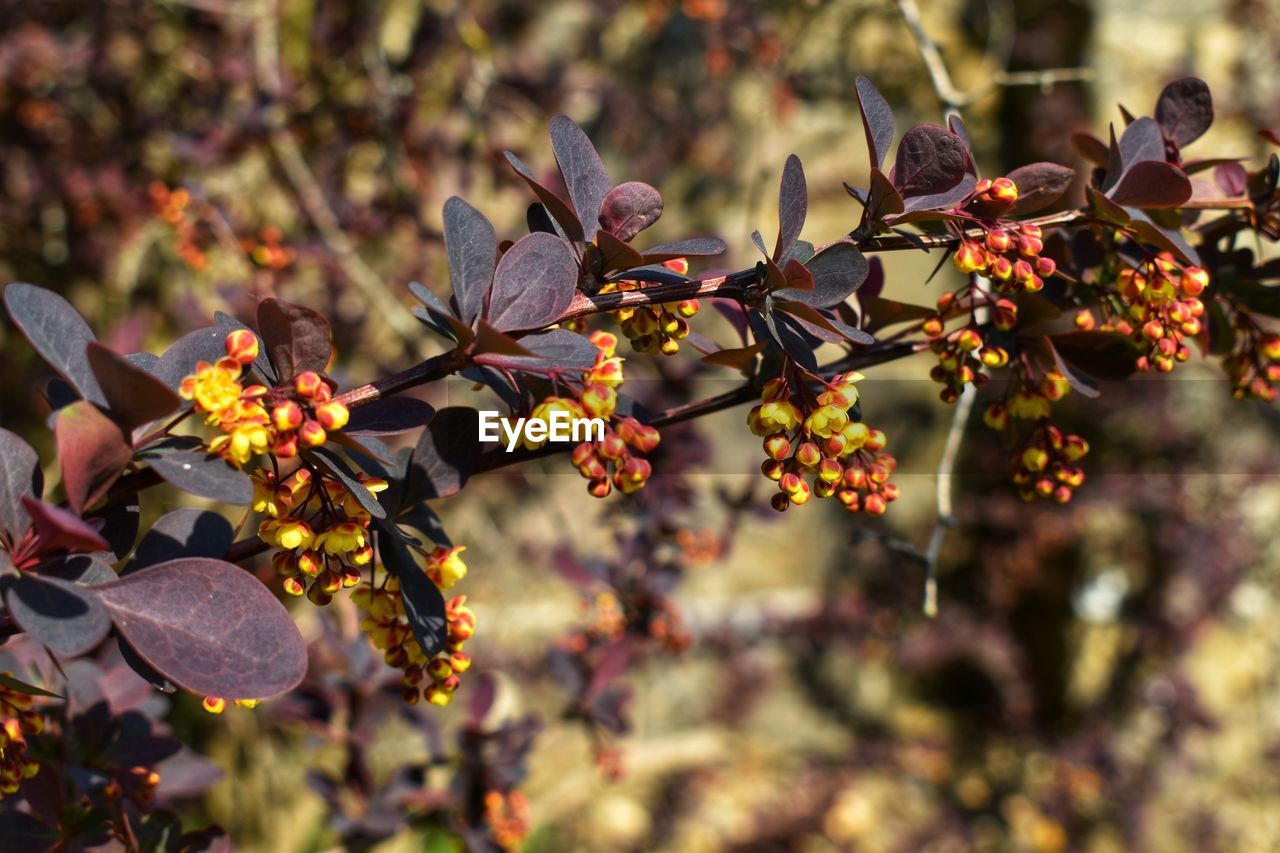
64 617
1185 110
1081 382
438 316
1106 355
389 416
92 450
797 275
1039 185
946 199
183 533
883 199
1140 142
877 120
20 477
1090 148
134 396
198 473
58 530
821 326
1152 184
837 272
584 174
1157 235
472 247
446 453
878 312
1231 178
696 246
534 284
613 254
793 206
297 338
210 627
930 160
555 205
630 208
57 331
423 603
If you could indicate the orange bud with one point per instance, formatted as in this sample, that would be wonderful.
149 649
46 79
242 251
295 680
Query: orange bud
242 345
333 416
287 416
312 434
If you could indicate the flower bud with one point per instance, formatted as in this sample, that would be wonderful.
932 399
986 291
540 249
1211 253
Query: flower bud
333 416
242 346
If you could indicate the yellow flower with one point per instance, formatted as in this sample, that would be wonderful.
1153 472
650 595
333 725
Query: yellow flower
343 537
827 421
242 442
542 412
266 494
777 416
213 387
287 533
1028 406
445 567
842 392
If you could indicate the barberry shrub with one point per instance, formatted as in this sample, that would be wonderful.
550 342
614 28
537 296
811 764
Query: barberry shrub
1154 265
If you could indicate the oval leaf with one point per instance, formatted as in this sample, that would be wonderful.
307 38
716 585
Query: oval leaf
877 120
1185 110
296 338
200 474
183 533
837 272
1039 185
65 618
630 208
793 206
93 452
446 453
423 603
1152 184
134 395
389 416
931 160
210 627
534 284
584 173
472 247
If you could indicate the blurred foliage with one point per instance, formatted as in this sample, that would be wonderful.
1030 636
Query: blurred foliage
1101 676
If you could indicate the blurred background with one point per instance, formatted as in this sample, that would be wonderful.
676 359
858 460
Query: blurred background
1101 676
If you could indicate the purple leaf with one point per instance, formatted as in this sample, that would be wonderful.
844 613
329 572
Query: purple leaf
883 199
1231 178
793 206
1107 355
693 247
837 272
210 627
555 351
1185 110
555 205
472 247
20 477
338 467
423 603
389 416
93 452
630 208
930 160
65 618
1156 235
1140 142
613 254
1082 382
584 174
297 338
1152 184
57 331
133 395
943 200
877 120
206 344
58 530
818 324
183 533
202 474
1090 147
534 284
1039 185
446 453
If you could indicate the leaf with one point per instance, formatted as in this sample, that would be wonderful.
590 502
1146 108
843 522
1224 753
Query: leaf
183 533
179 361
797 275
58 530
1166 238
64 618
423 604
210 627
555 205
57 332
692 247
1185 110
1141 141
439 316
584 174
837 272
472 246
20 477
339 468
134 395
821 326
538 219
389 416
943 200
556 351
10 683
878 312
1106 355
739 358
534 284
793 206
1090 147
1152 184
630 208
930 160
1081 382
93 452
446 453
613 254
1231 178
119 518
1039 185
883 199
201 474
296 338
877 120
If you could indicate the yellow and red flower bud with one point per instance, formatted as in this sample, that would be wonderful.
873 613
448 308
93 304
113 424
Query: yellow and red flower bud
242 346
333 416
970 257
287 416
312 434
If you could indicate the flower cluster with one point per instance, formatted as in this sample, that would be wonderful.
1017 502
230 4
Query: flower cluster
385 622
610 462
842 456
1162 306
508 817
1044 465
1027 400
320 529
17 720
1254 364
255 419
172 206
652 328
1009 255
268 250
